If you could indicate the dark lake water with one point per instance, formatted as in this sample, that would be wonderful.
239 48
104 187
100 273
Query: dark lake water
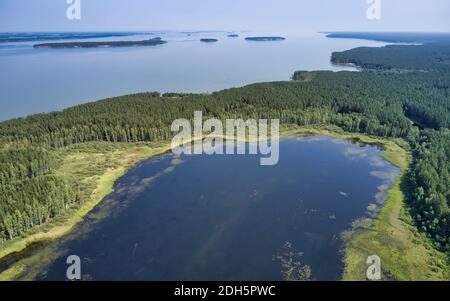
226 217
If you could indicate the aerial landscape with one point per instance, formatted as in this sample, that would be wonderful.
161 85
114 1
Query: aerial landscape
272 155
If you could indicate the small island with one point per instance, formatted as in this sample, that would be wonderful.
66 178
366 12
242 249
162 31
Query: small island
209 40
233 35
149 42
265 39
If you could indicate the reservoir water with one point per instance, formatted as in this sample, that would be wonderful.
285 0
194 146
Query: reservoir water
225 217
42 80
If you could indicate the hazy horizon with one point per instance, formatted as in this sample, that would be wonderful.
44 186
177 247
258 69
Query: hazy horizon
216 30
284 16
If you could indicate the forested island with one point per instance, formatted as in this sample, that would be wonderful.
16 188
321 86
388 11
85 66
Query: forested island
149 42
401 96
209 40
233 35
264 39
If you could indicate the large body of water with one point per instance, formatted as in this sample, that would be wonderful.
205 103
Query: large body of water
226 217
42 80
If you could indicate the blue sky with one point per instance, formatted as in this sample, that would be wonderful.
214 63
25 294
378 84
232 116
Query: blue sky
263 15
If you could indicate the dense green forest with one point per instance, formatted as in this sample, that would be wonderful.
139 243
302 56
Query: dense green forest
429 182
400 58
403 92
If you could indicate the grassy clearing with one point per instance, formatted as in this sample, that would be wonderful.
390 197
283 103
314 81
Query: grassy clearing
405 254
95 166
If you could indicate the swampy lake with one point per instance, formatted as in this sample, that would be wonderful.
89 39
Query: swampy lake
226 217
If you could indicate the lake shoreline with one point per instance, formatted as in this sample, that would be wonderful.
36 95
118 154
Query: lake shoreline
105 185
